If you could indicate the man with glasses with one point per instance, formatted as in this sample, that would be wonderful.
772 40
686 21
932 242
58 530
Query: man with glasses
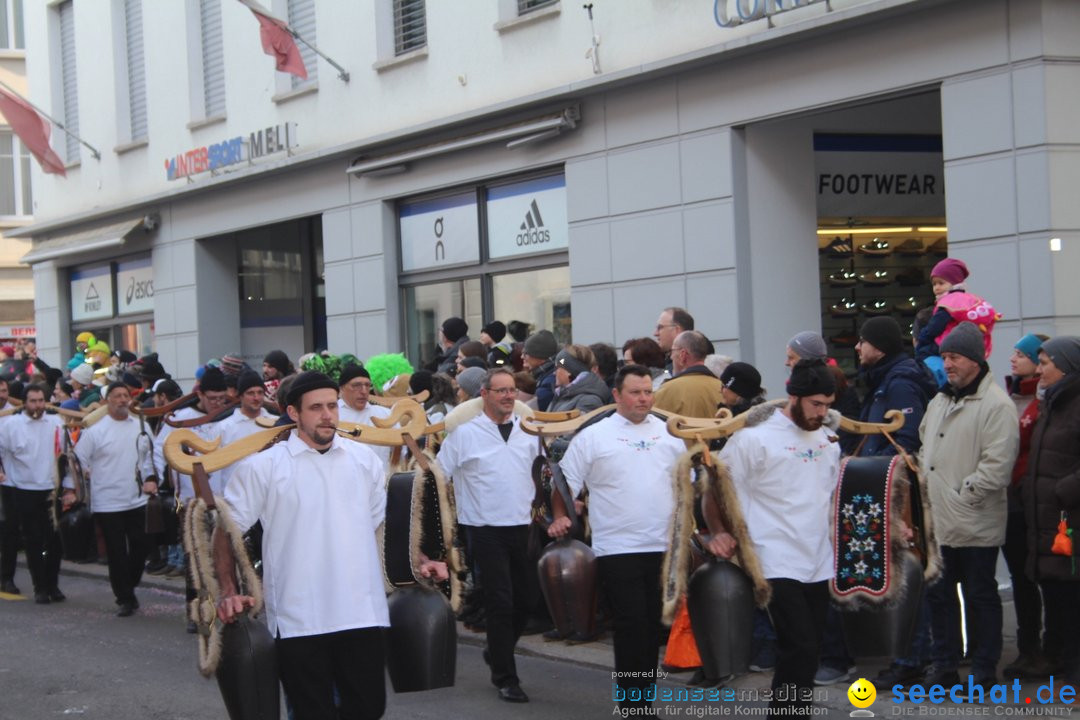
672 321
354 407
490 460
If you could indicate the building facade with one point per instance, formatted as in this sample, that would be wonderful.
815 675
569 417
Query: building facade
515 160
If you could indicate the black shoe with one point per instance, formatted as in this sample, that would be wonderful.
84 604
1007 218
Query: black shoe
41 598
8 586
698 678
126 610
134 602
513 693
191 627
945 678
56 596
897 674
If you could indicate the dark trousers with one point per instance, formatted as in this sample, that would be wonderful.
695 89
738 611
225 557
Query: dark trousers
972 568
41 541
798 614
500 558
9 532
834 650
352 661
126 545
1062 599
632 586
1026 599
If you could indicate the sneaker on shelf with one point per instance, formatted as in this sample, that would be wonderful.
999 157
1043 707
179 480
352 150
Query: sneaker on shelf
838 248
842 278
908 307
877 246
876 307
911 246
844 340
830 676
911 277
939 247
844 308
877 277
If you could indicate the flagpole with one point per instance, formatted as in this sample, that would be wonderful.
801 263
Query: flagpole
342 72
54 121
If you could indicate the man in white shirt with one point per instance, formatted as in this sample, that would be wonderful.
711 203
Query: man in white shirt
354 406
9 528
785 469
490 460
320 499
112 452
625 461
250 389
28 441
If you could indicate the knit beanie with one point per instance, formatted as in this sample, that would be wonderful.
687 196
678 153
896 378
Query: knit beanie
1065 352
1029 345
950 270
471 380
541 344
307 381
883 333
743 379
966 340
570 364
809 346
212 380
83 374
247 380
811 377
278 360
352 371
454 328
232 364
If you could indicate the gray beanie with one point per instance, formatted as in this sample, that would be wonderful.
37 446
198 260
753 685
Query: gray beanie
809 346
471 380
83 374
541 344
1065 352
967 340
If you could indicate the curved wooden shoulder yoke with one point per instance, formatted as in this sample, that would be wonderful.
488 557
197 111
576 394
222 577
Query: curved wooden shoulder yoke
710 429
555 424
387 401
175 405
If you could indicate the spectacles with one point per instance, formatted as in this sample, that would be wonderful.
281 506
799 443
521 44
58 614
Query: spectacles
502 391
359 386
661 326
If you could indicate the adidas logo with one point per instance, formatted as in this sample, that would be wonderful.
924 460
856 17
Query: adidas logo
533 231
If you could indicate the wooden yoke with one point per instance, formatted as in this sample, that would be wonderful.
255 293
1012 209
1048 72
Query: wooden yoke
205 419
387 401
175 405
710 429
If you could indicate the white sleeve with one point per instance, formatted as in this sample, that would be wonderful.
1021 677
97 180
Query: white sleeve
145 446
736 456
575 463
448 455
377 491
246 493
84 449
159 447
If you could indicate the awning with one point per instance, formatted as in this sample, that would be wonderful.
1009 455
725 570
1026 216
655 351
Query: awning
97 239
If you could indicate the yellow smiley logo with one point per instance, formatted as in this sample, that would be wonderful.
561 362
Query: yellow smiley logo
862 693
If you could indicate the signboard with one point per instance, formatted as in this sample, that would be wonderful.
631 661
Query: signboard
91 293
18 331
232 151
879 176
135 286
440 233
527 218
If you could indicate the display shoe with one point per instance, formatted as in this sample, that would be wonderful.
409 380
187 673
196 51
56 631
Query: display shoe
877 246
839 248
939 247
876 307
877 277
844 340
911 277
908 307
842 278
911 246
844 308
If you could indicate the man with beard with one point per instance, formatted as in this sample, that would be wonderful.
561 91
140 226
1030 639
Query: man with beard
320 499
490 460
785 465
111 450
28 441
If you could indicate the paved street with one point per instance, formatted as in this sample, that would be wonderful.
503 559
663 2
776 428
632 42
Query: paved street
76 659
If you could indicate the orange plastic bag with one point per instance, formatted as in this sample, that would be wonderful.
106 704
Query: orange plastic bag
681 650
1062 541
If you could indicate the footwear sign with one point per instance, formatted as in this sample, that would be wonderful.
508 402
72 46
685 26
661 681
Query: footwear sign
527 217
92 293
439 232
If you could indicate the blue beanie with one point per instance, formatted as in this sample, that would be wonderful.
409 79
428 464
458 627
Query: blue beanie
1029 345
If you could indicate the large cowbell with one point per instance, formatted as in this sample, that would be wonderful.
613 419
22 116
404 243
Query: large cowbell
247 675
887 629
720 599
568 580
77 537
421 642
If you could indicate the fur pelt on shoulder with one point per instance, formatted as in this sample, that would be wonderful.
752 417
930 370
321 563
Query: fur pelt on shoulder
760 413
470 409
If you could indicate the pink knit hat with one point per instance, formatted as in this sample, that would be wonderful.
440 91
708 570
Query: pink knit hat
950 270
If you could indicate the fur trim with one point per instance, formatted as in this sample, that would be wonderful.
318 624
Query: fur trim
447 517
763 411
470 409
676 565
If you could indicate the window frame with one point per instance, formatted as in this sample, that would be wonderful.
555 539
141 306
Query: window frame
19 178
14 40
398 12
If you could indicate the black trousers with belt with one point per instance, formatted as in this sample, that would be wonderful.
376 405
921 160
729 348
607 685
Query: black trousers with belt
352 662
126 545
632 586
500 559
797 610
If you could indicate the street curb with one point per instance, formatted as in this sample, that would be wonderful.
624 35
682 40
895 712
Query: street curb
77 570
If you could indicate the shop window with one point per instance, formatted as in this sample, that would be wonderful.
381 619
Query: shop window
15 195
511 266
11 25
410 26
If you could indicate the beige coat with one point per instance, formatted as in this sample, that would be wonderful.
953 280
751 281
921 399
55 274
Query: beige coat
969 446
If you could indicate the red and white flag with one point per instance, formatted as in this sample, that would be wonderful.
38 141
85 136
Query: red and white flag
277 41
32 129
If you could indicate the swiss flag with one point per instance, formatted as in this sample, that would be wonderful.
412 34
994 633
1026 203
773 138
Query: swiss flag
277 41
32 129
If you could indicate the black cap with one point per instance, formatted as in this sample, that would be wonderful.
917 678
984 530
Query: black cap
884 334
307 381
352 371
212 380
454 328
743 379
247 380
811 377
495 330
